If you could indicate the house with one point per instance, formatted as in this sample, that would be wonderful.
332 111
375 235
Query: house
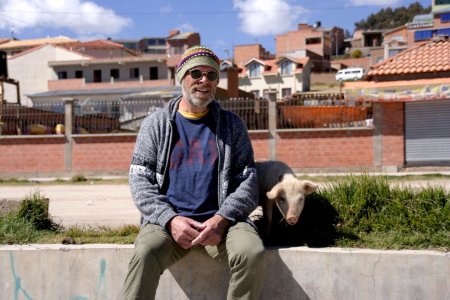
12 47
315 39
420 29
86 66
177 44
31 68
285 75
425 27
395 41
243 53
413 88
146 45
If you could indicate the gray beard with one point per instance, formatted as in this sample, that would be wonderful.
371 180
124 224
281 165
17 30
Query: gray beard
195 101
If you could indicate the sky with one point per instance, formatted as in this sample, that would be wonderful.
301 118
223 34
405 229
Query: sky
221 24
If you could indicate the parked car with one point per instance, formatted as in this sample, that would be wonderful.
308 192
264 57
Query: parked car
350 74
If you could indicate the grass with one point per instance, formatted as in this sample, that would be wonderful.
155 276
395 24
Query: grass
373 214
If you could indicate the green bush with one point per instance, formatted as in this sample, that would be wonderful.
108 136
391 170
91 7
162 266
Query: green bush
356 53
34 209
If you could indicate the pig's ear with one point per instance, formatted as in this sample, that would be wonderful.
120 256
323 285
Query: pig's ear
274 192
309 187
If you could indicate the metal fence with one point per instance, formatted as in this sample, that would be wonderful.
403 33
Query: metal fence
91 117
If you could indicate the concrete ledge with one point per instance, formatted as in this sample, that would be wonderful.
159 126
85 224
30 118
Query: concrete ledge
82 272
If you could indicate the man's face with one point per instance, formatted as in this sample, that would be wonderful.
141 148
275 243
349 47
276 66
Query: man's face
201 91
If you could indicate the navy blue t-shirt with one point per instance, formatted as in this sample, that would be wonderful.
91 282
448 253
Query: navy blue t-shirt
193 168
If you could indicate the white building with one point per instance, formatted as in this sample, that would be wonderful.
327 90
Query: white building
286 75
32 70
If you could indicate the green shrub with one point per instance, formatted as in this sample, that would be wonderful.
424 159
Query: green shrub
79 178
356 53
34 209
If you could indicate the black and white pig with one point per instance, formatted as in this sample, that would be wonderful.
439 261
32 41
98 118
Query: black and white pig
295 216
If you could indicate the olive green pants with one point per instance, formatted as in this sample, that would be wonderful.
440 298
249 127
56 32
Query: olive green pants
155 251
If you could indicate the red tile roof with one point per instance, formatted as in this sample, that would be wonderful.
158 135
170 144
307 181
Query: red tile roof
429 57
96 44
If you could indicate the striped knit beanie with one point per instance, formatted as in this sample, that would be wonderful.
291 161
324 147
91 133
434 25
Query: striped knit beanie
197 56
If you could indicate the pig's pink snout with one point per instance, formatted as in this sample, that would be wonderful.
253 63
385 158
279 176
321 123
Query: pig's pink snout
291 220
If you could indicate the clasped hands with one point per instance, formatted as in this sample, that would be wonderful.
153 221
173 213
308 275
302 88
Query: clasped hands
188 232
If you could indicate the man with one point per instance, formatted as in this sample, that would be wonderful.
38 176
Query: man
192 177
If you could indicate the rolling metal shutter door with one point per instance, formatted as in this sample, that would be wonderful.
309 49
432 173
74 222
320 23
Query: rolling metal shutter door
427 132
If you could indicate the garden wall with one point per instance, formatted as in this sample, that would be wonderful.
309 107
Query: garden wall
344 149
98 271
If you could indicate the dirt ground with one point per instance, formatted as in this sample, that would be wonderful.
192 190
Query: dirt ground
109 204
81 205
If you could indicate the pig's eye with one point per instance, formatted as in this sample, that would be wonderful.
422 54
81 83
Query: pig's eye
281 199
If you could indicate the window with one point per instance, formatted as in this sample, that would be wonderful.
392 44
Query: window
78 74
254 70
177 50
442 2
255 93
267 93
286 68
153 73
97 75
397 38
423 35
286 92
445 17
134 73
443 31
393 52
315 40
114 73
62 74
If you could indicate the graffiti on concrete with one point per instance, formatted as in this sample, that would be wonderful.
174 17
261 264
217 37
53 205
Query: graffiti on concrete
17 281
100 291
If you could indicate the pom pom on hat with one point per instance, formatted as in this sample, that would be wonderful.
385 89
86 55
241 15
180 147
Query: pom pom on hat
197 56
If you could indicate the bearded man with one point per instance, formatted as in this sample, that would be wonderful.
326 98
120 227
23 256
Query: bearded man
194 181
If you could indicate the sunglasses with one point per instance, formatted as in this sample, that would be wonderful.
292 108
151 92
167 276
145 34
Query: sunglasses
197 74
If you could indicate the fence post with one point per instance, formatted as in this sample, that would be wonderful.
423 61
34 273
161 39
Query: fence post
377 117
272 95
68 127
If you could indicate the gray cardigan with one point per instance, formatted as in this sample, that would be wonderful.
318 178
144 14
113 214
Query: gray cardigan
148 177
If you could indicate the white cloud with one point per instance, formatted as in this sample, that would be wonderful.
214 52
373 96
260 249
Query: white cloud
167 9
267 17
81 17
186 27
374 2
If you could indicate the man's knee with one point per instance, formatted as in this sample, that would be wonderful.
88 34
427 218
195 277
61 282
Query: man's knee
245 246
151 244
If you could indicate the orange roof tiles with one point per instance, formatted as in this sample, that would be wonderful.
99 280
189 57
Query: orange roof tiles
432 56
96 44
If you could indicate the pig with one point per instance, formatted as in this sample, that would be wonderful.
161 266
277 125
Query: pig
279 187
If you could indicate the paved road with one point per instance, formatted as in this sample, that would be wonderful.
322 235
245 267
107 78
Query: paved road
109 204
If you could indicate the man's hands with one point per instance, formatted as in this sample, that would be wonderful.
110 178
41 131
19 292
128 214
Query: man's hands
187 232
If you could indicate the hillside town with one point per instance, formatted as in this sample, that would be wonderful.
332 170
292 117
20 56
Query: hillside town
407 67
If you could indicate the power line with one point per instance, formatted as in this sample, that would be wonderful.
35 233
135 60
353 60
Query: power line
317 9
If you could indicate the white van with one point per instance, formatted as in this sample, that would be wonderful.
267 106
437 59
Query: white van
350 74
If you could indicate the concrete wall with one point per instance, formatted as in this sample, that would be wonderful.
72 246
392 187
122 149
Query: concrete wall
84 272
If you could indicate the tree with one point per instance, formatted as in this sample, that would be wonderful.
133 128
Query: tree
387 18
